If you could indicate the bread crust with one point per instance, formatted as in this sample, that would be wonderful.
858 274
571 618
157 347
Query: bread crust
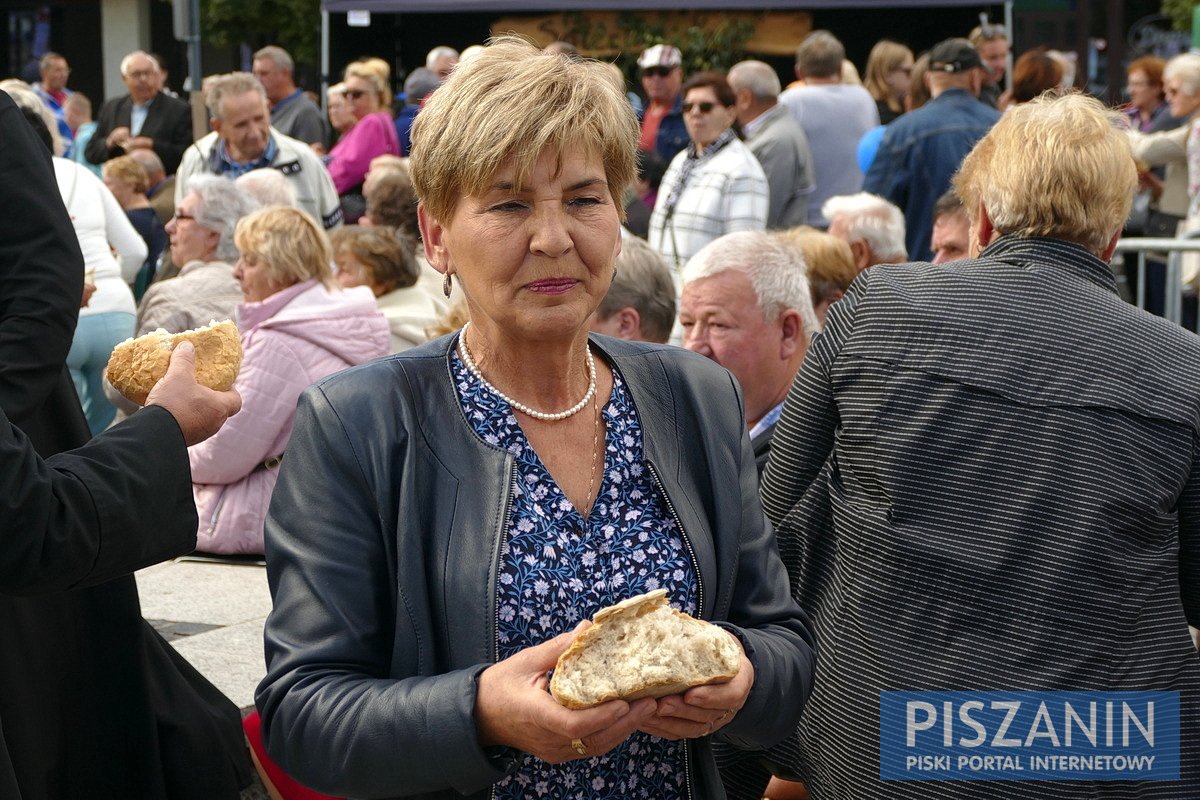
633 609
137 364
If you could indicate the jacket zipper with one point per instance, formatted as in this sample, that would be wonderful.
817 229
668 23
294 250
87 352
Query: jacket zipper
503 537
662 490
682 535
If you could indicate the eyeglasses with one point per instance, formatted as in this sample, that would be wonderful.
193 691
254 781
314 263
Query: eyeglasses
704 107
354 94
657 72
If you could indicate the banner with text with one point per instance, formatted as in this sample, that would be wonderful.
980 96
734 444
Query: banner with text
1019 735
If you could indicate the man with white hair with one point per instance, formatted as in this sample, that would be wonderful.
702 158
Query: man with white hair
746 305
441 60
146 118
777 141
292 113
243 140
921 150
873 227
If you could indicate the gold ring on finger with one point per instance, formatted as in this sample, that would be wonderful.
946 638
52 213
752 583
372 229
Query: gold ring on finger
579 746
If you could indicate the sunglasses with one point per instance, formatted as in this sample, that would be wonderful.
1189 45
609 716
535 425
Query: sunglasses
354 94
657 72
704 107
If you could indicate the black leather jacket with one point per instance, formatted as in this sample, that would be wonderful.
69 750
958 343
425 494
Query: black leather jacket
383 544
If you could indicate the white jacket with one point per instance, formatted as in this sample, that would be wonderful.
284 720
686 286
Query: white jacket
296 160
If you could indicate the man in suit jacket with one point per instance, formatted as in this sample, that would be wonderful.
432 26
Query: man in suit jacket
777 141
747 306
146 118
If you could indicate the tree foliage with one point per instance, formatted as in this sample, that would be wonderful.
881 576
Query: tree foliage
1179 12
291 24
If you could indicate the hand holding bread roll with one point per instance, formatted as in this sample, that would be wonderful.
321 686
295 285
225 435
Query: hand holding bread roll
199 411
136 365
641 647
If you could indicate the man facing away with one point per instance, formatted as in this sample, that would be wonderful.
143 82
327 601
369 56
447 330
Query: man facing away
292 114
834 116
777 141
921 150
986 477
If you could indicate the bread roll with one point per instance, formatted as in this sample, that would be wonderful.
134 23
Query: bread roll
137 364
641 647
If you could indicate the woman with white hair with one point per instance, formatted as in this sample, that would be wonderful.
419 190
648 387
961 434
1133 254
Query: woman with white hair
202 244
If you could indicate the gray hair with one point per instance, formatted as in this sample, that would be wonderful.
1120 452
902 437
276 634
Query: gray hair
870 219
49 56
136 54
642 281
777 272
230 85
268 186
820 55
439 52
277 56
419 83
1185 67
760 78
222 205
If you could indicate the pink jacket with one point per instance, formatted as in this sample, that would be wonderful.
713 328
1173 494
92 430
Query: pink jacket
290 340
373 135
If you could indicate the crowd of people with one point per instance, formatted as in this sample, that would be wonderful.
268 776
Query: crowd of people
840 365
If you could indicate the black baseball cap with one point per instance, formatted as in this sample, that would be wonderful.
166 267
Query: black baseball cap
953 55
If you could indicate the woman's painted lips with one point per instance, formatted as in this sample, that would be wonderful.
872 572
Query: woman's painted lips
552 285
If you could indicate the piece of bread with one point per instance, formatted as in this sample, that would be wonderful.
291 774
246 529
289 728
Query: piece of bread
641 647
137 364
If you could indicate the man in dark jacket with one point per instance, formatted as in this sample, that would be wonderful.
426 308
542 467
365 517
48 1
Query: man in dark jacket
146 118
84 681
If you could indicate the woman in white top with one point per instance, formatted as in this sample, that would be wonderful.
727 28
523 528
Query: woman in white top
108 318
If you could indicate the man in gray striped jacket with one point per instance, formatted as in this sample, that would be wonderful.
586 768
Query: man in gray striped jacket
986 479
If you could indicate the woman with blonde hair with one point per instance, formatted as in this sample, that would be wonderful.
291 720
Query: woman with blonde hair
371 134
297 326
831 267
889 76
128 182
446 517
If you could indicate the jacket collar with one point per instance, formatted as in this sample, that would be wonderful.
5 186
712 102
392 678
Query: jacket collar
1066 256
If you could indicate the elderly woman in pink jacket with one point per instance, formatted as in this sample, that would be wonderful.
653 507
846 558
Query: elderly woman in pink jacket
297 327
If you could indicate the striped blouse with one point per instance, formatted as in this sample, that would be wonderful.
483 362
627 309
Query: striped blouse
985 477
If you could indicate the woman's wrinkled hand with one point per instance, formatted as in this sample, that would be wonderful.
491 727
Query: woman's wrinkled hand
702 710
514 708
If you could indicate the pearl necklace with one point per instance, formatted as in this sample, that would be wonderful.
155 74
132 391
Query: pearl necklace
465 353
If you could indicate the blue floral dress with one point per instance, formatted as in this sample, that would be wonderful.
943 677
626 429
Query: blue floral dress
558 568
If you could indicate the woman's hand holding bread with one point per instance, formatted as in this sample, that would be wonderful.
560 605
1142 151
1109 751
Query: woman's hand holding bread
513 707
703 710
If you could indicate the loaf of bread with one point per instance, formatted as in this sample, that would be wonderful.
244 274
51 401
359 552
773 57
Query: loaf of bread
137 364
641 647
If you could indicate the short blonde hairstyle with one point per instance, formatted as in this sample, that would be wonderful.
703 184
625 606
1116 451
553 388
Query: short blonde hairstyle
510 103
125 169
386 256
1057 166
831 267
289 243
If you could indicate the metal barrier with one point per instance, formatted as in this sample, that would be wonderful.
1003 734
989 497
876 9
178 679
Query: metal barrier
1174 248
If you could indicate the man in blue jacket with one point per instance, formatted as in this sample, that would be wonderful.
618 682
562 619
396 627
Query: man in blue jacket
921 150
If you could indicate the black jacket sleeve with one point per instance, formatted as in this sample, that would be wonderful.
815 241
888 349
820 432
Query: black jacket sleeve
41 270
119 503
